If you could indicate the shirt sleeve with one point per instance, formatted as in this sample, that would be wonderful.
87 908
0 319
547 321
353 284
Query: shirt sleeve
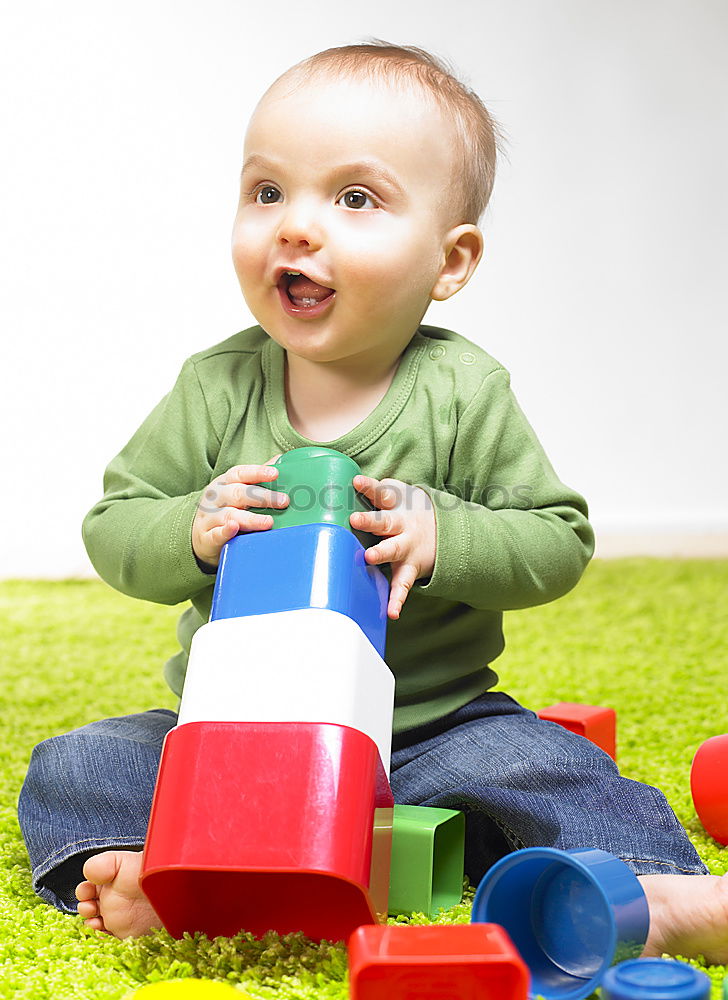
139 535
509 533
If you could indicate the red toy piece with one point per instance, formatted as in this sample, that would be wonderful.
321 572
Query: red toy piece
258 826
595 722
447 962
709 786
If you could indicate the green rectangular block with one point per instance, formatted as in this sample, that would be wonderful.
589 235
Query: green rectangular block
428 852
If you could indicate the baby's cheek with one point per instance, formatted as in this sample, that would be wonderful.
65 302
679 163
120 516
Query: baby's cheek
248 244
240 259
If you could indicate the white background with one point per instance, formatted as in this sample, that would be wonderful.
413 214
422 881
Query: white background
602 289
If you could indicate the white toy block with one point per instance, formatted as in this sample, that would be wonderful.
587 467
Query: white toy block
307 665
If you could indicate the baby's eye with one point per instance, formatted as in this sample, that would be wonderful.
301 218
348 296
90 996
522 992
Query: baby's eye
356 199
268 195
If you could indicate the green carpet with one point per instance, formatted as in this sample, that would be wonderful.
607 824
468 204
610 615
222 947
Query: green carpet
643 636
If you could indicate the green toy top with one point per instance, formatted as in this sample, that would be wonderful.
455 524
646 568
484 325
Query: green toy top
319 484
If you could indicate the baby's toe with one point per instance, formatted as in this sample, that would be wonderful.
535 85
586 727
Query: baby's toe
88 908
95 924
86 890
101 869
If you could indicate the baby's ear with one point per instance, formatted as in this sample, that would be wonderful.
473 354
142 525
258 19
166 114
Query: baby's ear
463 248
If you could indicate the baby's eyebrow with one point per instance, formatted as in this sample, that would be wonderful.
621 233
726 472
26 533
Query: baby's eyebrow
372 167
256 160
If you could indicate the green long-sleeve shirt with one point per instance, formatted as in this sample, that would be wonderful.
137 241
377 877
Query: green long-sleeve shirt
509 533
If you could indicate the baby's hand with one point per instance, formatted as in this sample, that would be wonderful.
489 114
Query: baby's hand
222 512
407 520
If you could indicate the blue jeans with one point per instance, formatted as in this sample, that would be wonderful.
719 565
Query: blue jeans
521 782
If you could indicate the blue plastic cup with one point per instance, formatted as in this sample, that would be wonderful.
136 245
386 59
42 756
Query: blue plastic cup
571 915
655 979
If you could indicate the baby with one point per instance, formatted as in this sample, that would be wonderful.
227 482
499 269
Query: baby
366 171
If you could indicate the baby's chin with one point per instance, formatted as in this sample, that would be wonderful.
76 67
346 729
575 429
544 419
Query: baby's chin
308 344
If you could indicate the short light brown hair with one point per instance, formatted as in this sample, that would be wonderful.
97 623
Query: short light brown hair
479 135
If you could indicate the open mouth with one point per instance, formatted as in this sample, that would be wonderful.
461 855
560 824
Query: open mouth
301 294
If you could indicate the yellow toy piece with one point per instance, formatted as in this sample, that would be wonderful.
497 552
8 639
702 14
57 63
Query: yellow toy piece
188 989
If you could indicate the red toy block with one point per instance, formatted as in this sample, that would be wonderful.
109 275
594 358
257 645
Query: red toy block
258 826
595 722
709 786
446 962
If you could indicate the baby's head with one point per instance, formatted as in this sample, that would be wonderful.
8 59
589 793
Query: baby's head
366 169
470 134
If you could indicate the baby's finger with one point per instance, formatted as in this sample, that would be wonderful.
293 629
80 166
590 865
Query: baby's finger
241 497
403 579
390 550
382 496
247 474
377 522
258 496
236 521
250 521
222 533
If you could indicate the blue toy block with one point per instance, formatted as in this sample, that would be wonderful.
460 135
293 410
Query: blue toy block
570 914
655 979
304 566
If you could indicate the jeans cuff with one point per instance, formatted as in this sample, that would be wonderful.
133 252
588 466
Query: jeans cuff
57 886
642 866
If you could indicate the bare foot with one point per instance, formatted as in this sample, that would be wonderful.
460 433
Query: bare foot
112 900
688 916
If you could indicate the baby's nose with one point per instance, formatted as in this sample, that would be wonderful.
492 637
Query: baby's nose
300 228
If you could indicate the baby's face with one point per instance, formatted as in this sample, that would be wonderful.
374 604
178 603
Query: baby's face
349 184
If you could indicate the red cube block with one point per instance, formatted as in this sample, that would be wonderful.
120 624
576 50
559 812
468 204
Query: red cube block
709 786
595 722
449 962
258 826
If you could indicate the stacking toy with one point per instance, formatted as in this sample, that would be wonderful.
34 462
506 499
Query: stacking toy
428 850
570 914
307 566
309 665
594 722
188 989
319 484
268 826
272 808
448 962
655 979
709 786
